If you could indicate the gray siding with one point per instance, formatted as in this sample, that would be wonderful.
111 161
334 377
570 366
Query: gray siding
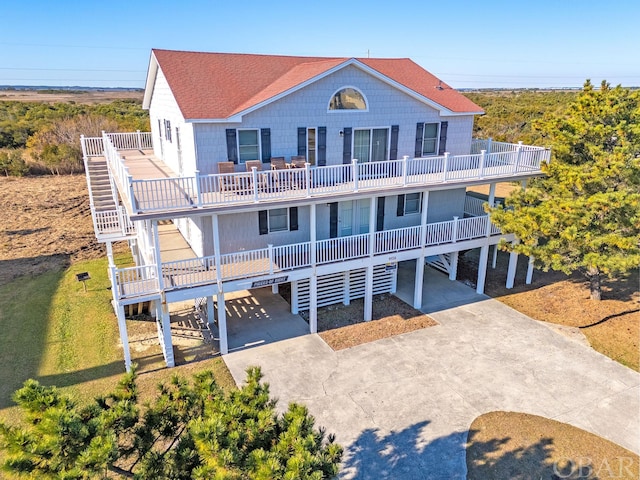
308 108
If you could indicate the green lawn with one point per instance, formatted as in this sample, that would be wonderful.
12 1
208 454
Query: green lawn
54 331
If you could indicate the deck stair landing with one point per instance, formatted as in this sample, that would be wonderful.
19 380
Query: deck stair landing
110 220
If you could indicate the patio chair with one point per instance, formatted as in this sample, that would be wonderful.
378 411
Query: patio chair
278 163
227 182
263 179
298 161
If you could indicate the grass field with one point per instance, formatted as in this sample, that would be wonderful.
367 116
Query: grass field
55 332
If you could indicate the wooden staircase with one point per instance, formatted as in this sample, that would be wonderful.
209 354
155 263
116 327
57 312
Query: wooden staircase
100 188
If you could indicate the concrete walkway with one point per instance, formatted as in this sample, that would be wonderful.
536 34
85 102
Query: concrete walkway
402 406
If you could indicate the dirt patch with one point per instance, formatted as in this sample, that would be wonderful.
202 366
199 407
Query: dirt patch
611 325
341 326
46 224
521 446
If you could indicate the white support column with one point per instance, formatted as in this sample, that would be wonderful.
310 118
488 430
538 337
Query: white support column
453 265
368 294
530 270
313 304
210 311
482 269
417 292
346 288
492 194
124 337
312 236
216 249
222 323
368 284
156 250
511 271
295 308
274 288
494 260
166 335
110 253
419 280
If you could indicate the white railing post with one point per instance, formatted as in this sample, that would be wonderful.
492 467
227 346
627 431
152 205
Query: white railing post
139 140
270 247
445 166
84 150
254 179
483 157
354 168
405 159
516 164
132 198
454 230
198 194
488 225
489 141
114 282
307 177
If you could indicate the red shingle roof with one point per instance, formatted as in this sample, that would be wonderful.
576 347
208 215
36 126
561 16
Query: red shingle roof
220 85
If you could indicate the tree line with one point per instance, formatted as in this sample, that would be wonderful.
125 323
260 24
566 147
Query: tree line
38 137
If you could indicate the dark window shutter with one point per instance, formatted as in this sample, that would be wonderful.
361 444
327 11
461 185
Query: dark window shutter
321 145
380 218
393 151
263 226
232 147
302 141
333 220
293 218
346 145
419 138
265 140
400 210
442 146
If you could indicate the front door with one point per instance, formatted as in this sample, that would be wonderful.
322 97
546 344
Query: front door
353 217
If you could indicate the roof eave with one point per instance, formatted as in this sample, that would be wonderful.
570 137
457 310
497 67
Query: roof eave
152 74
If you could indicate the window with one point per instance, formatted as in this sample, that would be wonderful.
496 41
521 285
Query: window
248 145
278 220
159 128
371 145
167 130
347 98
412 203
311 146
430 139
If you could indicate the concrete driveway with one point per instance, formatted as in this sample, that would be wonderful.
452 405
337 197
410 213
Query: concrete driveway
402 406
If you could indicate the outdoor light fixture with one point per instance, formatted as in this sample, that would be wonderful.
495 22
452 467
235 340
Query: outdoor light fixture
341 133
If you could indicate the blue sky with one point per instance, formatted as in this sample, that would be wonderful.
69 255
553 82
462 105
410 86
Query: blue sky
468 44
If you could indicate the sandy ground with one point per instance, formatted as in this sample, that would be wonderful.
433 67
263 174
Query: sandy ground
46 224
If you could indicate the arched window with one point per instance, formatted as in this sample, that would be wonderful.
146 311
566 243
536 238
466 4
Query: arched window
348 98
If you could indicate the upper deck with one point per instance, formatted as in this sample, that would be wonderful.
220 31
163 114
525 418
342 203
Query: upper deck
149 188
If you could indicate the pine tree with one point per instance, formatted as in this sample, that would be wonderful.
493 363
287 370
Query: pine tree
190 430
584 215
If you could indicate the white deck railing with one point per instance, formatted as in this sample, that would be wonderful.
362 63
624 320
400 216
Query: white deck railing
166 194
113 222
139 281
131 141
